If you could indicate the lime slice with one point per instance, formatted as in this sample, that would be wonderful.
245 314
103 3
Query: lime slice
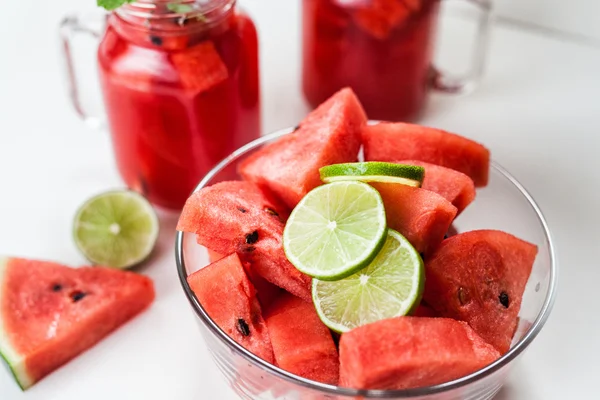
411 175
116 229
335 230
391 286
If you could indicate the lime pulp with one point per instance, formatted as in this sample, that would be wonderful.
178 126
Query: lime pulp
335 230
116 229
391 286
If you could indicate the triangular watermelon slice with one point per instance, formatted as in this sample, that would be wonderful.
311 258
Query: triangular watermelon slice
236 216
453 185
411 352
50 313
392 142
230 300
302 344
479 277
266 292
421 216
289 167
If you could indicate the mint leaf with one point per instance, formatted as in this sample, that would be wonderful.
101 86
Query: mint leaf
180 8
112 4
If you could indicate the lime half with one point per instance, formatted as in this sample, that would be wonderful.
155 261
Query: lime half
335 230
391 286
116 229
411 175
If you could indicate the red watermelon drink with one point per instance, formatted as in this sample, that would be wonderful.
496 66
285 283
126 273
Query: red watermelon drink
380 48
181 89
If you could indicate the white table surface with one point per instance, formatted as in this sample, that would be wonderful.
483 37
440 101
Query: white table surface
538 109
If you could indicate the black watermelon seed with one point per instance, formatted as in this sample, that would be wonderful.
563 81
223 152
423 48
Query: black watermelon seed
242 327
242 210
446 236
252 238
57 287
504 299
157 41
76 296
271 211
463 296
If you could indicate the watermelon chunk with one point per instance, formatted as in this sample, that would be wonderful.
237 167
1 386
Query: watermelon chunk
237 217
424 310
380 17
400 141
302 344
410 352
453 185
289 167
50 313
200 67
230 300
266 292
422 216
479 277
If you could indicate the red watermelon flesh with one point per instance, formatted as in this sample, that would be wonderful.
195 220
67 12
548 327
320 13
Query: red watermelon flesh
266 292
424 310
302 344
214 256
51 313
289 167
479 277
381 17
411 352
230 300
236 216
400 141
200 67
422 216
453 185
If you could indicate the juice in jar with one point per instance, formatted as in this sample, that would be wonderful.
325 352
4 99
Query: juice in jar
382 49
181 91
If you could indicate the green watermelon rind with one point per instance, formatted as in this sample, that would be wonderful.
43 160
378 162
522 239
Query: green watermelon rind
7 353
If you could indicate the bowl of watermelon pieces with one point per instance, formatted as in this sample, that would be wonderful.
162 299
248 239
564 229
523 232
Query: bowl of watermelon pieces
348 258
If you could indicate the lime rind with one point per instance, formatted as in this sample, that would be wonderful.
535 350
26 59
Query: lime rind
391 286
373 171
116 229
335 230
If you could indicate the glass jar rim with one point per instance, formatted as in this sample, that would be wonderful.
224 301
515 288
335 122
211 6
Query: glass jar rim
147 12
497 365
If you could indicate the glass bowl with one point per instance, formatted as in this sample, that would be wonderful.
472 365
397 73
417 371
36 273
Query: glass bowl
504 204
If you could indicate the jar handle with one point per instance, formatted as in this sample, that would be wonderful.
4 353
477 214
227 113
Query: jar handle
71 26
461 84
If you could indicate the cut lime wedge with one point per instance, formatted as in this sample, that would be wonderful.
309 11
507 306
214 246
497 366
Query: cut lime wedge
335 230
411 175
116 229
391 286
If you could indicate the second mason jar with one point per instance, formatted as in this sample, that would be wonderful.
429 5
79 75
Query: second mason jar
180 82
383 50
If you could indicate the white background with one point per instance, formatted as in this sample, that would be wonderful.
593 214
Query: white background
538 109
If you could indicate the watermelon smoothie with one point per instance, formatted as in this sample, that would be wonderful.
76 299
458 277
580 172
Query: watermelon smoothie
381 49
181 90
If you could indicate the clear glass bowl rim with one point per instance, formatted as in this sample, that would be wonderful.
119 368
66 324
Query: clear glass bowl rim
513 353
